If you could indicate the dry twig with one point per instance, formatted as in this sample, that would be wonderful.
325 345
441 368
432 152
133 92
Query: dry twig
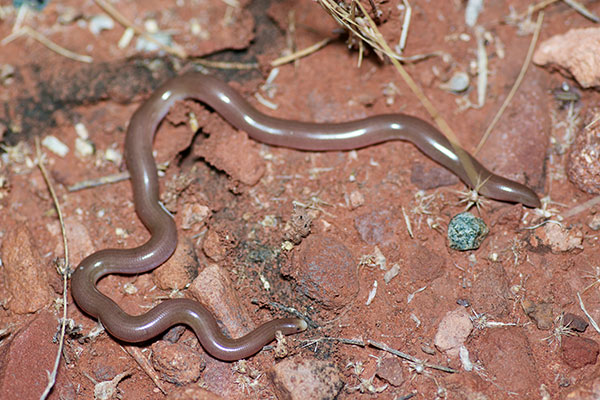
515 87
64 272
32 33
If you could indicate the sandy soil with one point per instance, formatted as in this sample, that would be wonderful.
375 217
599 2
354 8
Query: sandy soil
233 200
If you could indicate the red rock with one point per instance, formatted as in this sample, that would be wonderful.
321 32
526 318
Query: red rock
583 167
25 273
575 322
540 313
560 238
180 269
376 227
178 363
506 355
212 246
214 289
230 150
576 52
25 359
578 351
325 271
192 393
390 370
295 379
453 331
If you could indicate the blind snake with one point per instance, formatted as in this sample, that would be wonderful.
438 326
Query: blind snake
294 134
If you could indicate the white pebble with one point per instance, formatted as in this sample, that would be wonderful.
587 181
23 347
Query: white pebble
101 22
83 147
113 156
372 294
56 146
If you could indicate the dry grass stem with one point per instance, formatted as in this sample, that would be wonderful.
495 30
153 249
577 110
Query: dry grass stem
582 207
106 180
225 64
363 29
515 87
385 347
64 272
580 8
175 49
27 31
592 321
145 365
301 53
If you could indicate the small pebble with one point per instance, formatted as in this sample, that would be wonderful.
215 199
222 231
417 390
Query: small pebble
390 370
540 313
297 379
177 363
578 351
457 84
594 222
453 331
466 232
575 322
56 146
99 23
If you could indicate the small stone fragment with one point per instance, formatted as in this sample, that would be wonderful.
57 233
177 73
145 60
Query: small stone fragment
180 269
295 379
453 330
575 322
299 225
101 22
357 199
578 351
594 222
390 370
559 238
25 275
459 82
466 232
55 145
325 271
231 151
583 166
194 216
212 246
540 313
178 363
214 289
577 51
